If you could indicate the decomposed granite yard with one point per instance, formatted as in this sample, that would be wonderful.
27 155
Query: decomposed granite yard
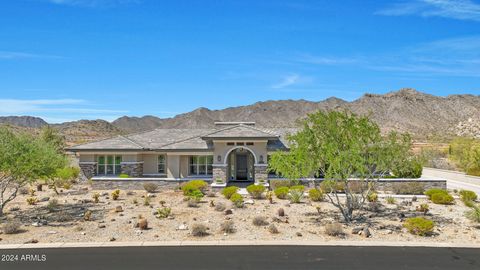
74 216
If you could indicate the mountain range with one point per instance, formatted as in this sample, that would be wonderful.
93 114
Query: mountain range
405 110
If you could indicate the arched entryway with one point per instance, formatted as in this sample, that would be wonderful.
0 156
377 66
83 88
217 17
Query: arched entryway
240 165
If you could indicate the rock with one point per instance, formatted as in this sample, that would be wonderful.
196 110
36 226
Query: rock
84 189
44 199
414 198
182 227
281 212
228 212
388 231
225 234
101 226
118 209
31 241
51 232
299 234
249 202
112 239
150 195
366 232
356 230
138 232
112 219
156 236
36 224
104 194
83 233
86 201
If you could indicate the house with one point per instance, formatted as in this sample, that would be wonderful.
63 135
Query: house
231 151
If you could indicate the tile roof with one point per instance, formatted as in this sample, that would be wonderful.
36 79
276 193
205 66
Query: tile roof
188 139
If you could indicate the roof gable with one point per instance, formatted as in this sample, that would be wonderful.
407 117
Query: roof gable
240 131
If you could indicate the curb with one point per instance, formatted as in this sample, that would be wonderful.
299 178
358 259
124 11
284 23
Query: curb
237 243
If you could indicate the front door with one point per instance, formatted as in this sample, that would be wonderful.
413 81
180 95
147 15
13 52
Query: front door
242 167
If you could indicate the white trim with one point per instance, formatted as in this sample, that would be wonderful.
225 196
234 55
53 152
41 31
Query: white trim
219 165
131 162
260 165
87 162
235 148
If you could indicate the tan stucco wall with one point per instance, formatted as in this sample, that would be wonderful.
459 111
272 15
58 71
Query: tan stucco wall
149 163
183 166
173 166
87 158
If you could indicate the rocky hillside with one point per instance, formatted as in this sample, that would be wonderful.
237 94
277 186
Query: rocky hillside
23 121
406 110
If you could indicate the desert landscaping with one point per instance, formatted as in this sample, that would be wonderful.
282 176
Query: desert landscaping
80 214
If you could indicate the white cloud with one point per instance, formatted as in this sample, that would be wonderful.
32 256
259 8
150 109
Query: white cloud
287 81
455 9
23 55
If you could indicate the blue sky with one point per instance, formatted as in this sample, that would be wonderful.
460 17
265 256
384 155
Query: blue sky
86 59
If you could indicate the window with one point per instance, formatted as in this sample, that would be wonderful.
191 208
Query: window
201 165
249 143
162 161
240 143
109 165
230 143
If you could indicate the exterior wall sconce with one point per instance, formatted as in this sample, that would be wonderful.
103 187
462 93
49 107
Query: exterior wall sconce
219 158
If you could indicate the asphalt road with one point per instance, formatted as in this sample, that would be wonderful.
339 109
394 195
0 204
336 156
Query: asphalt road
247 257
455 180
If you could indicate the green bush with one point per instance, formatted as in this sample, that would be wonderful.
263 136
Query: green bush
281 192
419 226
123 175
276 183
411 168
432 191
256 191
295 195
229 191
442 198
372 197
409 188
298 187
315 195
190 186
473 214
164 212
196 195
467 195
237 200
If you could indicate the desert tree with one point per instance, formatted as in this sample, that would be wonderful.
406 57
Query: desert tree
343 148
23 160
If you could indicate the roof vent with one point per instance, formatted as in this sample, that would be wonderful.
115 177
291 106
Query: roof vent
234 123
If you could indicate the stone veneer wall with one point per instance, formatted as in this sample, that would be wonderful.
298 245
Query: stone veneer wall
133 169
219 172
135 184
261 172
88 169
388 184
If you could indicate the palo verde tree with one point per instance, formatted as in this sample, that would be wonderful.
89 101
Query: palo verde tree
23 160
341 146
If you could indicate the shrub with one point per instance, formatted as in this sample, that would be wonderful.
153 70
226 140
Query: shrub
190 186
315 195
411 168
87 215
150 187
196 195
419 226
423 208
432 191
220 207
372 197
390 200
332 185
123 175
164 212
409 188
32 200
442 198
298 187
115 194
256 191
260 221
295 195
473 214
146 201
334 229
227 226
281 192
96 197
467 195
273 229
276 183
237 200
11 227
269 196
143 224
229 191
199 230
53 205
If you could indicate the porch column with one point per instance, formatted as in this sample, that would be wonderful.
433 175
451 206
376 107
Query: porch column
261 172
133 169
219 172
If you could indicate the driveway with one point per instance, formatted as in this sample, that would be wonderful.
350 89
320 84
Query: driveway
248 257
455 180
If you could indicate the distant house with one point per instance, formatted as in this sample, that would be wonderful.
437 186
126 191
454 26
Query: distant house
232 151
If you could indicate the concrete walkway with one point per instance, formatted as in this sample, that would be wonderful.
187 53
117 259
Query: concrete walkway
455 180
